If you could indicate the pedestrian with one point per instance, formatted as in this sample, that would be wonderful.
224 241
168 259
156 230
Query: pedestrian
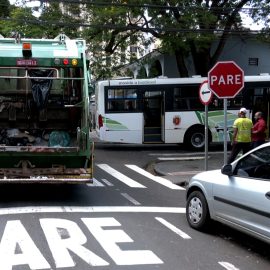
241 140
258 130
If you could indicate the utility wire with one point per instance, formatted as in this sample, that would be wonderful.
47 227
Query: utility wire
137 5
128 27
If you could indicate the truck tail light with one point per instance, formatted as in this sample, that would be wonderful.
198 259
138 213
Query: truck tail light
27 49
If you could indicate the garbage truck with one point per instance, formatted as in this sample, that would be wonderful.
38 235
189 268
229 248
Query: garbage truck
44 111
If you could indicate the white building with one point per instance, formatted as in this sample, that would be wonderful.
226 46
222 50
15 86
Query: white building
250 54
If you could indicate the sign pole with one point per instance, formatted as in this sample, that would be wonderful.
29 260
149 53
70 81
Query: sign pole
206 138
206 96
225 131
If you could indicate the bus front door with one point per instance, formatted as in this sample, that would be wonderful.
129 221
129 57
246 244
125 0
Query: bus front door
261 102
153 111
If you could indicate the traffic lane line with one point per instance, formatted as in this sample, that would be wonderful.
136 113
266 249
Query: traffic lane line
131 199
91 209
173 228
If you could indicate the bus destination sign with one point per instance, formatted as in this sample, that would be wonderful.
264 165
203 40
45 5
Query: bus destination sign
26 62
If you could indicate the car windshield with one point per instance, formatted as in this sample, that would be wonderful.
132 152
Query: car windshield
256 165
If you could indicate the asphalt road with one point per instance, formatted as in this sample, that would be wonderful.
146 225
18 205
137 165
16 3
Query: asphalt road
129 219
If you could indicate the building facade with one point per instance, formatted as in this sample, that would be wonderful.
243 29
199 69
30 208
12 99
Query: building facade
248 52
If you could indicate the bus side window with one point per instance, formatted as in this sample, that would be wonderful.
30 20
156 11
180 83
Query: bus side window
180 104
112 105
129 106
216 104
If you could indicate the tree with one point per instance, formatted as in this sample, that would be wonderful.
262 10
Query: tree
18 21
4 13
109 38
57 18
4 8
185 28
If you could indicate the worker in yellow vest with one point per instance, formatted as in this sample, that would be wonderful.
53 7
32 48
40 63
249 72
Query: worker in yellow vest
242 127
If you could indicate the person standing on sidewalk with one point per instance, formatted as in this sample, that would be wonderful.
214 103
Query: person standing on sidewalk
241 135
258 130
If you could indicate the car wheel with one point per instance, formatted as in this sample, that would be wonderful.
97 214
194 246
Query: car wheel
197 212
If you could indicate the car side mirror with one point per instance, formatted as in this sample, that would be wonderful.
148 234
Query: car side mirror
227 170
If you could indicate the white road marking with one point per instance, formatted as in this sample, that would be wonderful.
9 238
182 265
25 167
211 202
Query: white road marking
66 242
173 228
109 238
174 154
72 240
194 154
16 237
107 182
228 266
96 183
179 158
132 200
91 209
157 179
123 178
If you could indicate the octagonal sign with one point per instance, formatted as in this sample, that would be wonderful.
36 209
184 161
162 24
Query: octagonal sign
226 79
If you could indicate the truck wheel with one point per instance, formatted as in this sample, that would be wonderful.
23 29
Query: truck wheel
197 212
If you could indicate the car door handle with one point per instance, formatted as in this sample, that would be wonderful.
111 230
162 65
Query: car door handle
267 195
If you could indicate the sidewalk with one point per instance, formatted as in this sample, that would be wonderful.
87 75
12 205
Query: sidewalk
181 170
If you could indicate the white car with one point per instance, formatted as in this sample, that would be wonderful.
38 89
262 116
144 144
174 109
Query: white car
237 195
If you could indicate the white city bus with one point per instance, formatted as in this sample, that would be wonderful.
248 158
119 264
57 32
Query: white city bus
159 110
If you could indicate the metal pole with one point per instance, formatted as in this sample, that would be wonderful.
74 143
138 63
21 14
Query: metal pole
206 138
225 131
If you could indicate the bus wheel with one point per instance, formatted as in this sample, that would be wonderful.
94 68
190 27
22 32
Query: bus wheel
195 139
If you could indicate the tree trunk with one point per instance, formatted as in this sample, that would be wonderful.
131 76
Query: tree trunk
181 65
201 60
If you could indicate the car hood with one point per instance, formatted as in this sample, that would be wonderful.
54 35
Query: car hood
208 176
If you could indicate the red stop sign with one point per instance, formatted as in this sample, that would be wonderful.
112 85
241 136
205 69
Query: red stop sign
226 79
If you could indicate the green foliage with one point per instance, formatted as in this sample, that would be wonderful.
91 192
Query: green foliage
19 22
60 19
179 27
183 28
4 8
109 35
4 13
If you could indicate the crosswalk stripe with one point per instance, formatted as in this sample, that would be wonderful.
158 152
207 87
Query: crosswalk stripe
157 179
107 182
121 177
95 183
